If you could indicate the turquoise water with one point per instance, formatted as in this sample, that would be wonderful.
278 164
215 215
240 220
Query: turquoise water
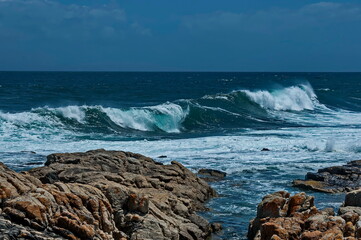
213 120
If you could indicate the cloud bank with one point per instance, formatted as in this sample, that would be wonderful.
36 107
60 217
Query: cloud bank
88 35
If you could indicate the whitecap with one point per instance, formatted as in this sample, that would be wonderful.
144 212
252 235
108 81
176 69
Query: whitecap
294 98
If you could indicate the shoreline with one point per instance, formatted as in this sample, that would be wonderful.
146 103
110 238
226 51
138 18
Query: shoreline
104 195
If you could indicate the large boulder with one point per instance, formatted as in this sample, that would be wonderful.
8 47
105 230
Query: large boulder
103 195
286 217
335 179
211 175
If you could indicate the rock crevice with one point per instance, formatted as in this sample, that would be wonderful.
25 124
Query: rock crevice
103 195
334 179
281 216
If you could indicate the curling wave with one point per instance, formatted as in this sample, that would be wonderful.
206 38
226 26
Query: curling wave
294 98
296 105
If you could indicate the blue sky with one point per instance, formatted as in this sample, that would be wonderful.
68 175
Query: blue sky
187 35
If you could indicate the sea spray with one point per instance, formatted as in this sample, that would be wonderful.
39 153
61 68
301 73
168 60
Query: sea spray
290 106
294 98
330 145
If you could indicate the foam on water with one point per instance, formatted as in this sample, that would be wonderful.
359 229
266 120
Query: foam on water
224 131
294 98
251 172
166 117
291 106
72 112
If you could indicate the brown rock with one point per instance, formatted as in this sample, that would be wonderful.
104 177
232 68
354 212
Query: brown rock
353 199
302 220
269 230
344 178
104 195
273 205
211 175
349 230
216 227
314 235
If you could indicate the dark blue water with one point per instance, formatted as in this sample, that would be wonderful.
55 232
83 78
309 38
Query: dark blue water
217 120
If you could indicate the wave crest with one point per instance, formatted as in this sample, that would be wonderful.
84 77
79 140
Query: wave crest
165 117
294 98
242 109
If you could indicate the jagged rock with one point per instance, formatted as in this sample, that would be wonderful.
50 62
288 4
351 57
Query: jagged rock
335 179
211 175
103 195
281 216
216 227
353 199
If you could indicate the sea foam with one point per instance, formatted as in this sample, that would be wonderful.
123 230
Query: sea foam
294 98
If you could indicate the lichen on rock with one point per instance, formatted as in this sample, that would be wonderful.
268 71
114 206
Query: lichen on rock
286 217
103 195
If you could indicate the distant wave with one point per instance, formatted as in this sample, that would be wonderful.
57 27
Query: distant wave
165 117
296 105
294 98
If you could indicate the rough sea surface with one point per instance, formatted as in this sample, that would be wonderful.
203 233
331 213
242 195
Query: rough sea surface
203 120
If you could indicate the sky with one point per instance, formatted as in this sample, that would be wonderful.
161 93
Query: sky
186 35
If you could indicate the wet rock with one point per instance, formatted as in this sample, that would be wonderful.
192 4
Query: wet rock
211 175
216 227
353 199
265 149
103 195
31 152
34 163
335 179
162 156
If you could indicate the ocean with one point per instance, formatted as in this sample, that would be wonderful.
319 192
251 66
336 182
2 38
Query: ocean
203 120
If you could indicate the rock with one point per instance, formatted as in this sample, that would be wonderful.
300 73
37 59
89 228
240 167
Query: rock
265 150
162 156
328 211
33 163
31 152
335 179
344 210
273 205
211 175
312 185
353 199
216 227
314 235
281 216
103 195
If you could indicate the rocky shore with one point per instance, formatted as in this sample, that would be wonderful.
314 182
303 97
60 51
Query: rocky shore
281 216
334 179
103 195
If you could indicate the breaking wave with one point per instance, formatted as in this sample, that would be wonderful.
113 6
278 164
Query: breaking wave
294 98
296 105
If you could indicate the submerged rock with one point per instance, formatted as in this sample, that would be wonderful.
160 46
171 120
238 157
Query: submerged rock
286 217
103 195
211 175
335 179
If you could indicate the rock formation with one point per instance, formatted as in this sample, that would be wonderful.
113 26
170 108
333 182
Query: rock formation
103 195
281 216
211 175
333 179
